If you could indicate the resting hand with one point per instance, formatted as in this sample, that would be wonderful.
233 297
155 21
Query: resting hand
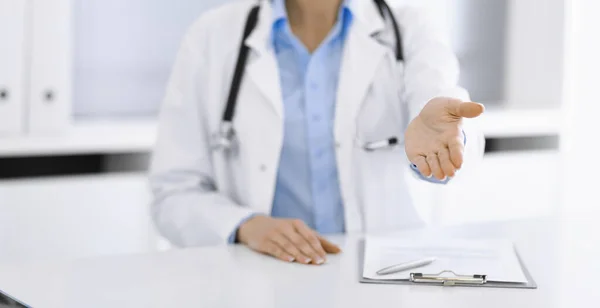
286 239
434 140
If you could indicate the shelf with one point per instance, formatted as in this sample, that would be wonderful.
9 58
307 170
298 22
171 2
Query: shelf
129 136
86 137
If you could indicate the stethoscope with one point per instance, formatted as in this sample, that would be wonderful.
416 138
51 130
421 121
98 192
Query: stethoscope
225 137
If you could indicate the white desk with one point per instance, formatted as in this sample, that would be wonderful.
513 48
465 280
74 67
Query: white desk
557 254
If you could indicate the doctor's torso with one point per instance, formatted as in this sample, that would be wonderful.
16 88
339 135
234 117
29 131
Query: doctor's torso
375 99
367 108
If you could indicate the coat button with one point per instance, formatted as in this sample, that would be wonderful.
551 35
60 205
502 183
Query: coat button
49 96
3 94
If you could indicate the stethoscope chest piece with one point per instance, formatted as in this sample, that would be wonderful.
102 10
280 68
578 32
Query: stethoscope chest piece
225 139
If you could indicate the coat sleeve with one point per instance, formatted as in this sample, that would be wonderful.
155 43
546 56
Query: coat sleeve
187 207
432 70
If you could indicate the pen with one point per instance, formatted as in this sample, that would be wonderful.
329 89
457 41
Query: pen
372 146
405 266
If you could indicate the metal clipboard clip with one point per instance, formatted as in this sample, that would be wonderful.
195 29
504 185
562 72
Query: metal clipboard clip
455 279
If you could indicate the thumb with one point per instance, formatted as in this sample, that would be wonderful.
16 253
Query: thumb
329 246
469 110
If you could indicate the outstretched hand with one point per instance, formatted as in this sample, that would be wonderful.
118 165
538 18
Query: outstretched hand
434 140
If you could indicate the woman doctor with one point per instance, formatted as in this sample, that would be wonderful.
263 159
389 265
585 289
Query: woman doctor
308 128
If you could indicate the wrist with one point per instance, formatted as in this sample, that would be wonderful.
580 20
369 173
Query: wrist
242 230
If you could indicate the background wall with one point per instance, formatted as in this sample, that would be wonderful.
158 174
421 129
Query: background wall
124 50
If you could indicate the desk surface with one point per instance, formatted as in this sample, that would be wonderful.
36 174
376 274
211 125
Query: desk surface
561 255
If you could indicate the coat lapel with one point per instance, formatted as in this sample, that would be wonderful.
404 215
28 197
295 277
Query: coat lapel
362 56
262 68
262 77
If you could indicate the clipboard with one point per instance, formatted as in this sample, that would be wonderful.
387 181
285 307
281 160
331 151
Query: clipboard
448 278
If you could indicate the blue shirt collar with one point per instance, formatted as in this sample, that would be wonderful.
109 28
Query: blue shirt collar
279 11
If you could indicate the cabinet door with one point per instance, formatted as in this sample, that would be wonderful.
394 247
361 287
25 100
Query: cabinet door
74 217
12 63
51 62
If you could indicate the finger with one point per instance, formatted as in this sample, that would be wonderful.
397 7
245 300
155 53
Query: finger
274 250
446 163
329 246
298 240
311 237
434 164
456 149
469 109
289 248
423 166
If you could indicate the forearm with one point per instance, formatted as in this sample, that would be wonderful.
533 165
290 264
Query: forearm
195 218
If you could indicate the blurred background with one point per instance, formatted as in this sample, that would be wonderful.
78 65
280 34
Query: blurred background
81 82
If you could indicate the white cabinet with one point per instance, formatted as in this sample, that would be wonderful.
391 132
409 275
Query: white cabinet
50 95
12 66
74 217
89 75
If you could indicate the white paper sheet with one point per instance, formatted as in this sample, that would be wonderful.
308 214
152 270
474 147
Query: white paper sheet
495 258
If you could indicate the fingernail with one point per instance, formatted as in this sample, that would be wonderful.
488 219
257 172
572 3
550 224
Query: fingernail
320 261
445 177
291 259
429 176
307 260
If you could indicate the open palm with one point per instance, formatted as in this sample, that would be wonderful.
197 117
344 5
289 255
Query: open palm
434 140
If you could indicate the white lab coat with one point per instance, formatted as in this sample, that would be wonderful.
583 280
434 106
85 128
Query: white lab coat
201 195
